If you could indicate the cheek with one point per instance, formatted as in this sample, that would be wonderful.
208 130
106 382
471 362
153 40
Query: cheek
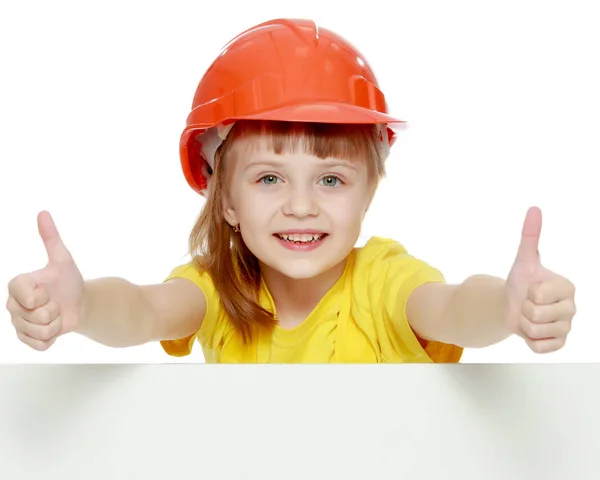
347 210
251 208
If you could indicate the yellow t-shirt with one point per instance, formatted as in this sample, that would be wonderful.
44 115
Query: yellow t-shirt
361 319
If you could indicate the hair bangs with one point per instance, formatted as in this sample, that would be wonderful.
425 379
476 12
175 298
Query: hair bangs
323 140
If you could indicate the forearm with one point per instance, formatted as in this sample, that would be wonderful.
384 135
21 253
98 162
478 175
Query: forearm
476 310
115 313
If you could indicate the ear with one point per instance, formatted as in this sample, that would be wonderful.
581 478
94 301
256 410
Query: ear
229 211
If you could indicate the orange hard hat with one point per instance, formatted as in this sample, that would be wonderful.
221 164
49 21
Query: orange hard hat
283 69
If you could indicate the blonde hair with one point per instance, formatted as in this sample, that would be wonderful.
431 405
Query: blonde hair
216 249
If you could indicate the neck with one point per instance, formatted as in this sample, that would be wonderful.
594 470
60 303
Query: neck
284 291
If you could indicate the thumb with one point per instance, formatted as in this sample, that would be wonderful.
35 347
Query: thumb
530 236
55 248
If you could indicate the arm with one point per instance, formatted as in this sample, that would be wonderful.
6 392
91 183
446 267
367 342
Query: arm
50 302
534 303
472 314
118 313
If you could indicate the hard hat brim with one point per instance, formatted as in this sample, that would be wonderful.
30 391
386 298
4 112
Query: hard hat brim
314 112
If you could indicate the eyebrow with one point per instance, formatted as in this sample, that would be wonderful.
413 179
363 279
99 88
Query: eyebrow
263 163
326 163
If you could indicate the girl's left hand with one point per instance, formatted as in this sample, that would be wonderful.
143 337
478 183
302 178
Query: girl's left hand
541 303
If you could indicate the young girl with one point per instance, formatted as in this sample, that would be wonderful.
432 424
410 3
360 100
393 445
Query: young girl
287 140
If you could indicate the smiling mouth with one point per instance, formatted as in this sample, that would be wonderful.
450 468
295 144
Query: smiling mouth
301 238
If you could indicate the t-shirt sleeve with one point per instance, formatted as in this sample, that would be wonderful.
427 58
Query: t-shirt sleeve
395 276
209 326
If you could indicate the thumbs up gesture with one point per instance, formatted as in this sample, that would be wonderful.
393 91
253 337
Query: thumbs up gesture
541 304
47 303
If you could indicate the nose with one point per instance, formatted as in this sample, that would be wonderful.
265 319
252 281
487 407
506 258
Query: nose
301 202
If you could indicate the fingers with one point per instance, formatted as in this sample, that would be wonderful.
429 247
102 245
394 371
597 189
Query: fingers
43 315
547 345
545 326
27 294
542 315
34 316
530 236
554 289
37 335
560 327
55 248
42 333
39 345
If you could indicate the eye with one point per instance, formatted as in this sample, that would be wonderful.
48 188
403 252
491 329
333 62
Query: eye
331 181
269 179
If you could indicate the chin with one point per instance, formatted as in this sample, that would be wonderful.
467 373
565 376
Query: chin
302 269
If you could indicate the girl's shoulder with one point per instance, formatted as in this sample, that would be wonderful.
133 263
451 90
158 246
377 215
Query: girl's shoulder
379 248
382 256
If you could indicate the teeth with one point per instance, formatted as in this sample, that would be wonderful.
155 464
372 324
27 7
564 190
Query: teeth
301 238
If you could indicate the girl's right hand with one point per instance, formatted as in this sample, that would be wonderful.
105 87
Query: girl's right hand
47 303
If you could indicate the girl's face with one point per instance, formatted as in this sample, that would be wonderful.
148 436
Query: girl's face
300 215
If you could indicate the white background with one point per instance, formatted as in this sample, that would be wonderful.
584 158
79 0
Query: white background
503 107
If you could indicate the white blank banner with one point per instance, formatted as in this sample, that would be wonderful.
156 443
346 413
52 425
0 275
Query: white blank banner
299 422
